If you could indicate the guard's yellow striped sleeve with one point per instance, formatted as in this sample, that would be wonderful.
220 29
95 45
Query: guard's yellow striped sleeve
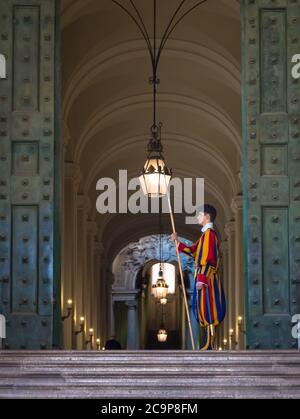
207 257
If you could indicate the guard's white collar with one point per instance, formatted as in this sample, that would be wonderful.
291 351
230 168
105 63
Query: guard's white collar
207 226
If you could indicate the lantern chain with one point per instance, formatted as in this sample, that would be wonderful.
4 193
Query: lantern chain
155 52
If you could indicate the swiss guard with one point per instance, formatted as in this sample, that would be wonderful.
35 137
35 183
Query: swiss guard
209 303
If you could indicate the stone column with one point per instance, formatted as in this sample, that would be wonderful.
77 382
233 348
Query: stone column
131 325
112 318
110 308
102 296
69 237
91 228
81 276
106 300
97 293
230 231
237 208
137 322
143 317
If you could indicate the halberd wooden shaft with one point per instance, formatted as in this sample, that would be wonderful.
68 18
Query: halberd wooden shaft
181 273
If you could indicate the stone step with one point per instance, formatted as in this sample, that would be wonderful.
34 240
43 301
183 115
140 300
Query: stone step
150 374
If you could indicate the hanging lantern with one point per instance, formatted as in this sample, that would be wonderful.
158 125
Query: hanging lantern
161 287
162 335
156 176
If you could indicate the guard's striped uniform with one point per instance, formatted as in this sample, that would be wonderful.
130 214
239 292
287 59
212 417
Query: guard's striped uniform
209 303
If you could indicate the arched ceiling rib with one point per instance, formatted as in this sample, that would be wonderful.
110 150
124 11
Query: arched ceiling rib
211 114
206 152
91 68
73 10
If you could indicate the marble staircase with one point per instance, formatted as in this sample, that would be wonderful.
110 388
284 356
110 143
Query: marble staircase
150 374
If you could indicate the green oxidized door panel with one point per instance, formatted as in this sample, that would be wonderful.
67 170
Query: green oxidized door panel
28 149
271 101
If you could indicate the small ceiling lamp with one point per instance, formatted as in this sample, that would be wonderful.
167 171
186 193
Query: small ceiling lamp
161 287
162 335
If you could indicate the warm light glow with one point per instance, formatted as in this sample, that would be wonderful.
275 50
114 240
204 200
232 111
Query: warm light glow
82 320
162 335
98 341
163 301
225 341
155 179
160 289
240 320
168 275
103 349
220 349
70 303
231 332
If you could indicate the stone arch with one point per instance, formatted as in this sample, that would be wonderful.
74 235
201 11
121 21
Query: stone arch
133 258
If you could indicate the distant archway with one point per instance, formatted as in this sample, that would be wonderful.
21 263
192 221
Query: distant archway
132 287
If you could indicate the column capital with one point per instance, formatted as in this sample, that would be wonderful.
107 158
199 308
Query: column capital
125 296
98 248
72 172
237 203
131 305
83 202
92 227
230 228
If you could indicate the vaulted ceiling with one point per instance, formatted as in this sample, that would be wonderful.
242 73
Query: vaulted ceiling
107 101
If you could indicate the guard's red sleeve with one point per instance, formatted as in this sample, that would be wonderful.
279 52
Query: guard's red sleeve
209 257
188 250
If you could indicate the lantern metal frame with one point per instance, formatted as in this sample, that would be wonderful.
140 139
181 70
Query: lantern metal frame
161 283
70 310
155 165
162 332
162 335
